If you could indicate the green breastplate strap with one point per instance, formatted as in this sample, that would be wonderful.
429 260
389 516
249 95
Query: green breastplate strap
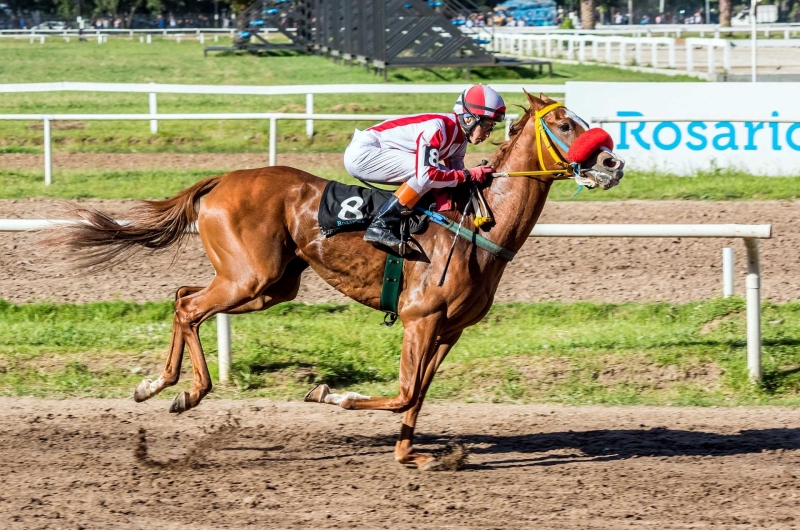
474 237
390 290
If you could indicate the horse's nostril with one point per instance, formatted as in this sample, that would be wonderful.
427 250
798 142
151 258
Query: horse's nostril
611 163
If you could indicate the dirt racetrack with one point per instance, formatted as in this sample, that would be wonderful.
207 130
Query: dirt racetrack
261 464
567 269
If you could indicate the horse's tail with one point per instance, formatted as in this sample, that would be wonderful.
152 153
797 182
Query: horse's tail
156 225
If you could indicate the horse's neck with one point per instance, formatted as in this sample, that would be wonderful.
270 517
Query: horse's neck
517 202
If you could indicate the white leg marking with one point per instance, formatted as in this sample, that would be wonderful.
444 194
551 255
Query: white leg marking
337 399
155 387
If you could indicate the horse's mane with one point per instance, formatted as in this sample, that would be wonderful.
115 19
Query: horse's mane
502 152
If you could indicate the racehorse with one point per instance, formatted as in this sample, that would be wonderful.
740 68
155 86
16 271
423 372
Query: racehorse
259 228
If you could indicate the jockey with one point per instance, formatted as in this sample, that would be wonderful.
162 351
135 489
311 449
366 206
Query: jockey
422 152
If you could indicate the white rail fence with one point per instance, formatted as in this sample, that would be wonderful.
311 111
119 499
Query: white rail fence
677 30
615 49
574 47
767 30
153 89
749 233
272 117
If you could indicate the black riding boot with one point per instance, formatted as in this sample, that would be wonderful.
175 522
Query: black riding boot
381 230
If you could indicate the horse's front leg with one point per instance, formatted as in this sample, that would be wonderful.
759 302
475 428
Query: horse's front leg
419 346
403 450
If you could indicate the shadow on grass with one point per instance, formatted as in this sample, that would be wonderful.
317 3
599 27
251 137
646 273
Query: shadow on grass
338 373
775 381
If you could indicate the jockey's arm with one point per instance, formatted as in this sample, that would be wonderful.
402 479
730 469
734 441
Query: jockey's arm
457 160
429 167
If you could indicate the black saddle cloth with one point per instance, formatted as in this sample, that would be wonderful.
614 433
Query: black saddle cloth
346 208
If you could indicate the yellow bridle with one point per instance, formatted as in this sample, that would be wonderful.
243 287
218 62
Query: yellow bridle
542 138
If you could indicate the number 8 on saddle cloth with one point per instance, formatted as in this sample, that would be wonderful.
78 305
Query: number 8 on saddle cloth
346 208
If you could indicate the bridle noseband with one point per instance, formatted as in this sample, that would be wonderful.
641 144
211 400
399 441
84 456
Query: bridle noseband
546 137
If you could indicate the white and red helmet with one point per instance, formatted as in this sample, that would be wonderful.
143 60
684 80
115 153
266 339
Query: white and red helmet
480 102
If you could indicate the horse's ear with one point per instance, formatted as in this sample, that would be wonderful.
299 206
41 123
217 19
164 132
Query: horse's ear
535 102
546 99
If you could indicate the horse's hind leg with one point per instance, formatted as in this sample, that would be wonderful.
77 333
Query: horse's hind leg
223 296
172 369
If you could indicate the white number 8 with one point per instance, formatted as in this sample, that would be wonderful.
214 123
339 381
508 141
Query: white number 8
433 157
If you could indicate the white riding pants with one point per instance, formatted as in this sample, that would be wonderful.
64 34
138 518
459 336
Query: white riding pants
365 159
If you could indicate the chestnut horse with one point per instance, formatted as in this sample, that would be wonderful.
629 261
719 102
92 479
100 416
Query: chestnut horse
259 229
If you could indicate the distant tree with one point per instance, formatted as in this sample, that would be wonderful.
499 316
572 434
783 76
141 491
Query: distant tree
238 7
725 13
588 9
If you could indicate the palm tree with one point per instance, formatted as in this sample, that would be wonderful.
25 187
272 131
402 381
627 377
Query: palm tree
588 14
725 13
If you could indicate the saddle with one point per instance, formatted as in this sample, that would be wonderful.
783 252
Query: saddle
346 208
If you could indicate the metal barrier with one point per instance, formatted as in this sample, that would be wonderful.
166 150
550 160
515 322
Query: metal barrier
749 233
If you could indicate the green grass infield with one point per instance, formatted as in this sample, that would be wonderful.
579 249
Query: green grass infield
573 353
125 61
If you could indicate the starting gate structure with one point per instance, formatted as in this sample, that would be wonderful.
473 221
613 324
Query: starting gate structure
377 34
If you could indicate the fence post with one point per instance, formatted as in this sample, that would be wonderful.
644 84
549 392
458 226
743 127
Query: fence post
689 57
654 54
712 67
672 63
273 141
753 310
224 346
639 60
726 59
310 110
48 153
153 111
727 272
508 128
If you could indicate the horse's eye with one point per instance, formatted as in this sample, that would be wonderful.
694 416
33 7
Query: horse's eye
565 127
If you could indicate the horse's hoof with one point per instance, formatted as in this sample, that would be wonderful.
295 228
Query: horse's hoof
142 391
180 403
433 465
317 394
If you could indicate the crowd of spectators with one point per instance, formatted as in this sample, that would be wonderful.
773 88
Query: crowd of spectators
115 22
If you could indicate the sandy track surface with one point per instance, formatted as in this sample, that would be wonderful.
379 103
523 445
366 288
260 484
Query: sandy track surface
262 464
567 269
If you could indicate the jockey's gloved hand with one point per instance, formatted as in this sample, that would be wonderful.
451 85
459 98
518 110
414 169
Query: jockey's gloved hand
479 174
